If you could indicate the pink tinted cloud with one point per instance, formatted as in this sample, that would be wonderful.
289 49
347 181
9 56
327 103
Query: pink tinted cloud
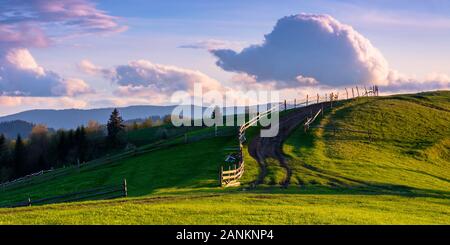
22 35
21 75
38 23
142 78
22 23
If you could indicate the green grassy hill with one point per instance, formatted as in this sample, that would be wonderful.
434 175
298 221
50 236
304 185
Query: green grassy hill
400 176
174 166
409 150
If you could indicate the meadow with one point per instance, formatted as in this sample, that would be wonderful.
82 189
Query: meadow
400 175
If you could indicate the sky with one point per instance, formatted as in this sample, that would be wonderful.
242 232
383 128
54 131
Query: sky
90 54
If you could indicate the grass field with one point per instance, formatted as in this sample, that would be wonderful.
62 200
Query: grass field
402 176
174 168
410 150
233 208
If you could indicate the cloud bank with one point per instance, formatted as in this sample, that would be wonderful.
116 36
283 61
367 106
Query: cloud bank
144 78
20 75
313 49
24 24
22 19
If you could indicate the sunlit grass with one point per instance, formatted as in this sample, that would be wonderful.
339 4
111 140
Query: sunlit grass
241 209
402 176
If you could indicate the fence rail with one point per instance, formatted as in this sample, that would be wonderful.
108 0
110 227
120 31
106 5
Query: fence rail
46 175
373 91
231 176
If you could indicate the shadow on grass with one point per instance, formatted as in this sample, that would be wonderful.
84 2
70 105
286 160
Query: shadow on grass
338 183
367 189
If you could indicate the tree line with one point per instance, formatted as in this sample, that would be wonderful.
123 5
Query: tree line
44 149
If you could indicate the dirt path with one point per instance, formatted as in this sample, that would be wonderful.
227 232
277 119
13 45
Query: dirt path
263 148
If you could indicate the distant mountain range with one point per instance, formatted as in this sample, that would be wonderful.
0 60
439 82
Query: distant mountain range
72 118
12 128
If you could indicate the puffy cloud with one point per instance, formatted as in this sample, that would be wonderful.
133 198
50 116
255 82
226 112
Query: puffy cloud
72 87
312 49
90 68
24 25
22 22
306 80
143 78
402 83
20 75
312 46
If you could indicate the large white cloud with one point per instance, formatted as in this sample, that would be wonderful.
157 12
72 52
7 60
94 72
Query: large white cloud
20 75
312 49
309 46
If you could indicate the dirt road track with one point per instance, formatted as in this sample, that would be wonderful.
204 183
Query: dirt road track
263 148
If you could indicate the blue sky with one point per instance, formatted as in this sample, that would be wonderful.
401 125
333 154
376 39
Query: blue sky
412 36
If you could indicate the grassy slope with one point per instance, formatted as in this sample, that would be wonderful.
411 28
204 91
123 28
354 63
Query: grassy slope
410 151
400 178
176 168
241 209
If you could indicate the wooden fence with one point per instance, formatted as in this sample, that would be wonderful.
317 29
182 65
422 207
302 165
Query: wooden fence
47 175
231 176
104 192
372 91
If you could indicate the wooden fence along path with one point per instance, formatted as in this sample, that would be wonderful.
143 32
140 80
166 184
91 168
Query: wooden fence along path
373 91
46 175
104 192
231 176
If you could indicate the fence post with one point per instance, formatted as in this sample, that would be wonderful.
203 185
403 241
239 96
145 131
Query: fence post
365 89
307 98
125 188
317 98
285 105
353 93
221 176
331 99
295 103
346 92
357 90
